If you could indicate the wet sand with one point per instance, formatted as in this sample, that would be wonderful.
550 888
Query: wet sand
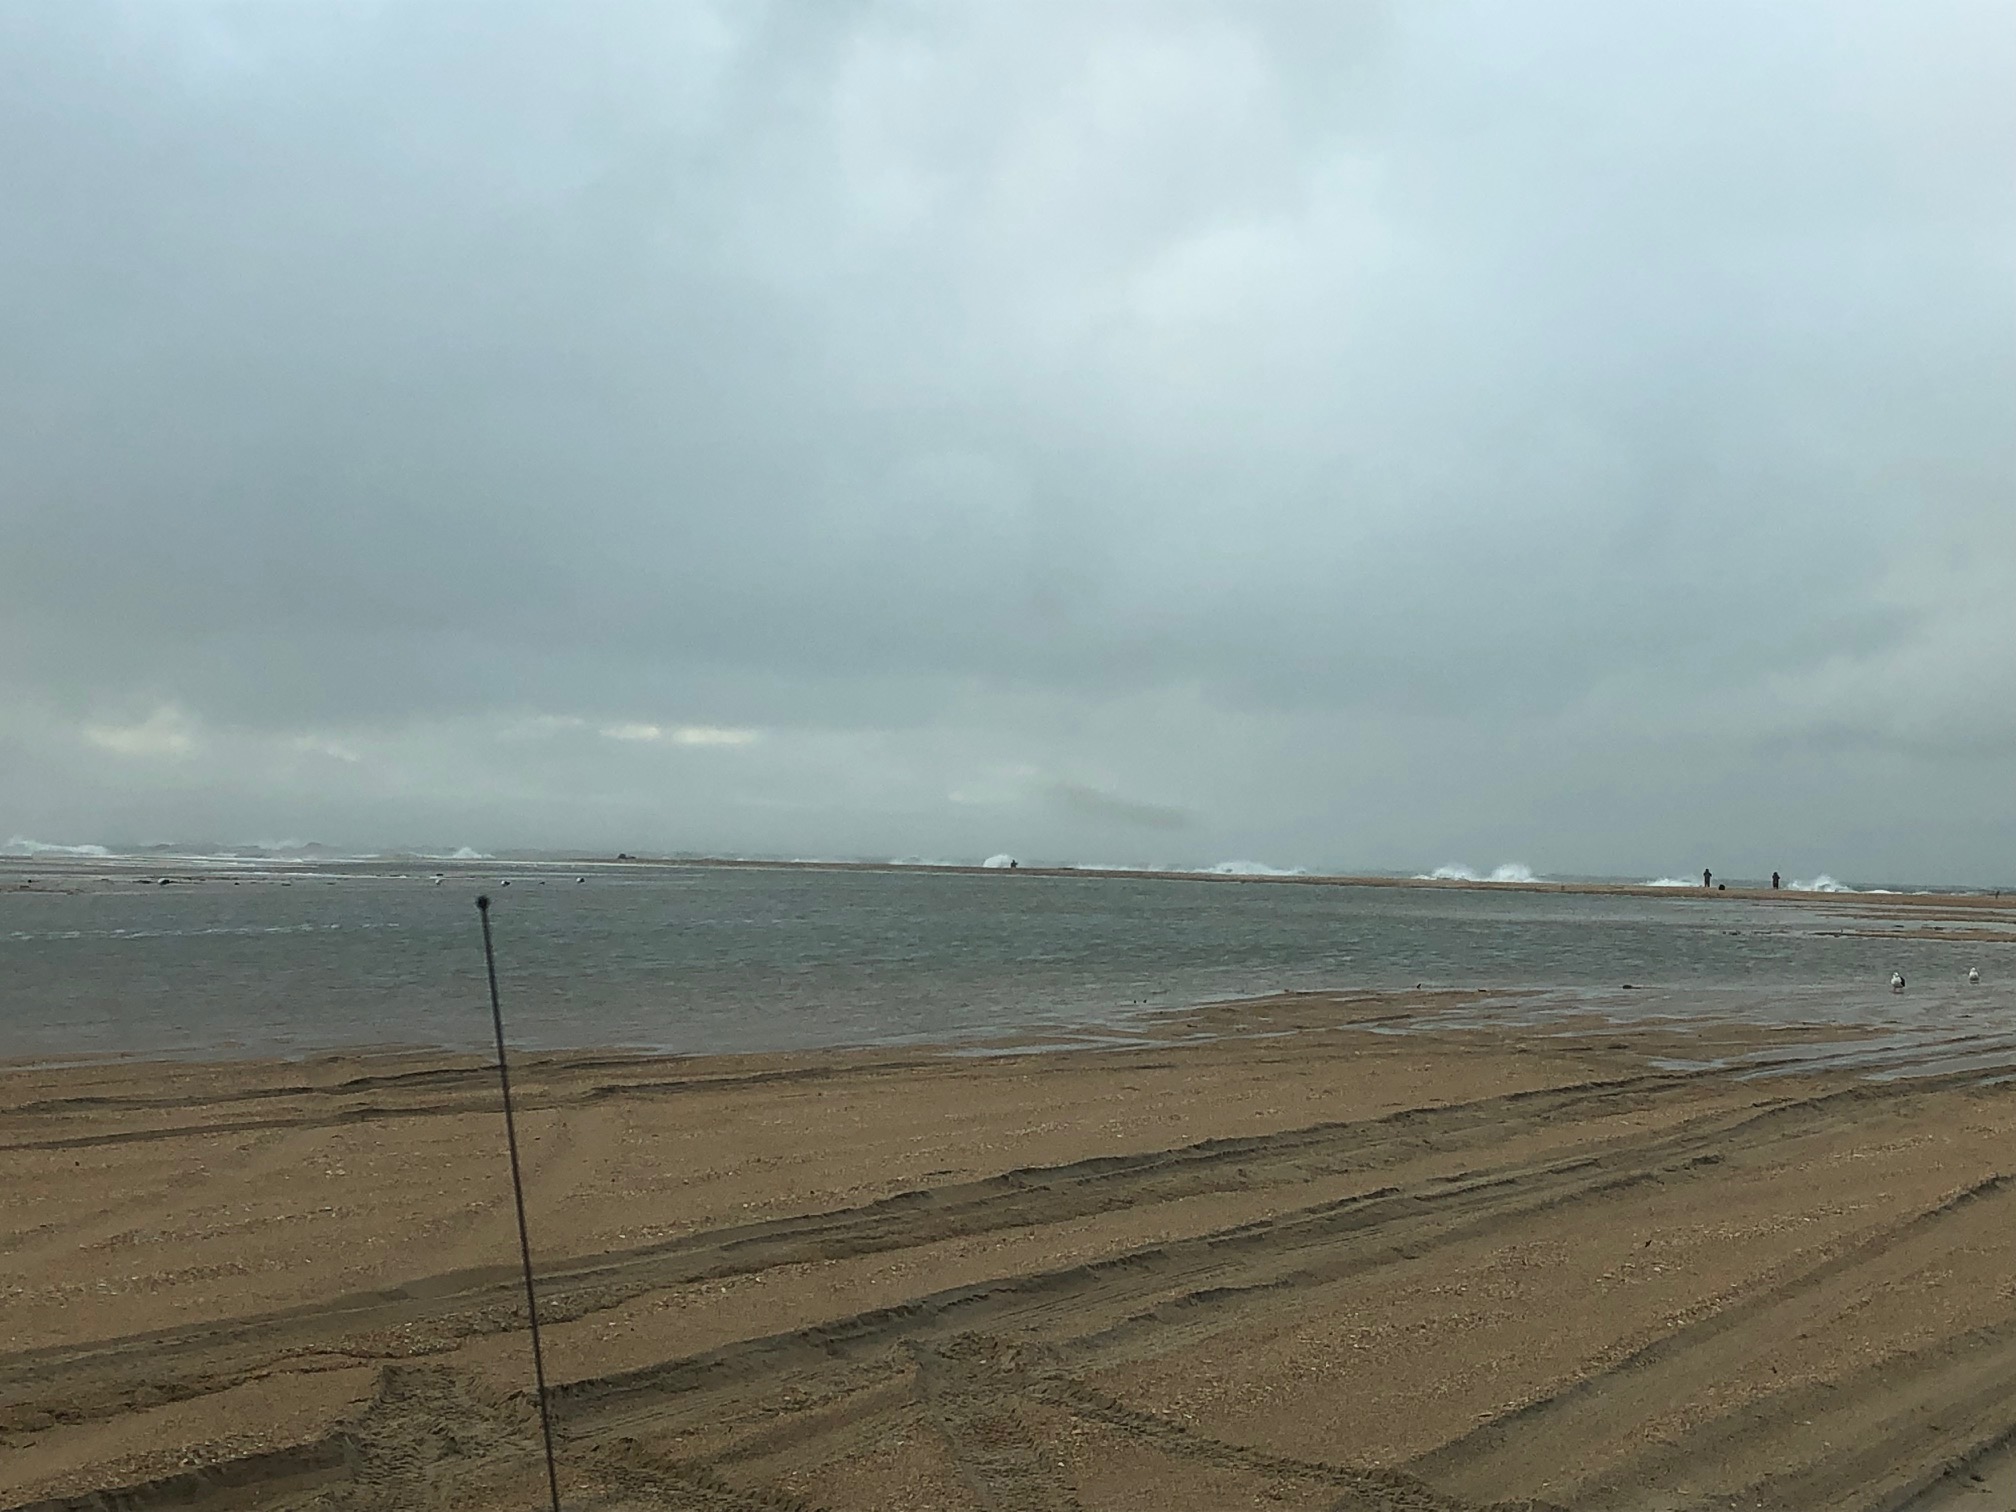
1274 1254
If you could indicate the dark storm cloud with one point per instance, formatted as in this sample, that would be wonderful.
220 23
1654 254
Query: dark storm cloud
1089 802
1508 404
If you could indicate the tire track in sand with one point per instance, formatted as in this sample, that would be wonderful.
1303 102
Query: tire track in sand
434 1313
1148 1298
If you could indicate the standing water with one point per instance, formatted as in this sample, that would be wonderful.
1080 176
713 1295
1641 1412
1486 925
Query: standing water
731 958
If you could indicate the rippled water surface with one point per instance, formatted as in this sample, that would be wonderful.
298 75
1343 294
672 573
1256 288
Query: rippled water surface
725 958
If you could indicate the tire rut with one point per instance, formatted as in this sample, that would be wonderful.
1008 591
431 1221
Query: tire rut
1091 1313
1000 1457
1094 1309
1615 1404
435 1313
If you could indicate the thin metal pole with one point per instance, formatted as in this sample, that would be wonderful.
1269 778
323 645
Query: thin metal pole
518 1192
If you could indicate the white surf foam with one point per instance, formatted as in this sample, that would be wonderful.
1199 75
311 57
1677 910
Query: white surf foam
1511 871
1253 869
21 845
1672 882
999 863
1823 884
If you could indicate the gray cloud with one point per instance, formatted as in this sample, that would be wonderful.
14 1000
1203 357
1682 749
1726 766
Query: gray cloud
1381 433
1081 801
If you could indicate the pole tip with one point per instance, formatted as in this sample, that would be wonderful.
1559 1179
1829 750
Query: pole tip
483 903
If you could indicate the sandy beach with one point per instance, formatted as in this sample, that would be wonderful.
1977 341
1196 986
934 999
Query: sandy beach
1303 1252
1205 757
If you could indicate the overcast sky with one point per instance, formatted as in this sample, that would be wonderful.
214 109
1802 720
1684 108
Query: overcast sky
1338 436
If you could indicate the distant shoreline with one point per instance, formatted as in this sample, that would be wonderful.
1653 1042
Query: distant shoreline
195 867
1988 898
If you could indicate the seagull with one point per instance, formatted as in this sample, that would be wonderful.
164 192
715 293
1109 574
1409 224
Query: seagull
1974 975
1896 981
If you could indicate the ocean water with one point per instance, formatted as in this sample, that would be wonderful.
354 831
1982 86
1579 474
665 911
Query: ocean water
262 961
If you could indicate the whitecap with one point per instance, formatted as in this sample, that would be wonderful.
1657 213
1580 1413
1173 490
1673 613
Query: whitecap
1510 871
21 845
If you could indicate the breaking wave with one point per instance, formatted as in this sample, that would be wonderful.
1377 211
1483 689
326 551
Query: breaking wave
1672 882
999 863
1253 869
1823 884
21 845
1511 871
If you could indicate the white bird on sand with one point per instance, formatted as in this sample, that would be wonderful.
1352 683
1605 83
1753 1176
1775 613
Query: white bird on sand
1974 975
1896 981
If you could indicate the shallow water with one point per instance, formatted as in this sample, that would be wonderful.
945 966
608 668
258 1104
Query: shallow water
697 959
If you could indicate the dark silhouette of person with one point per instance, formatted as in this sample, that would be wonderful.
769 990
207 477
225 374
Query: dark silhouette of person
1707 878
1774 881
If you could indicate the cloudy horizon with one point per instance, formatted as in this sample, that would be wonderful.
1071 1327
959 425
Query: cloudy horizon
1359 437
